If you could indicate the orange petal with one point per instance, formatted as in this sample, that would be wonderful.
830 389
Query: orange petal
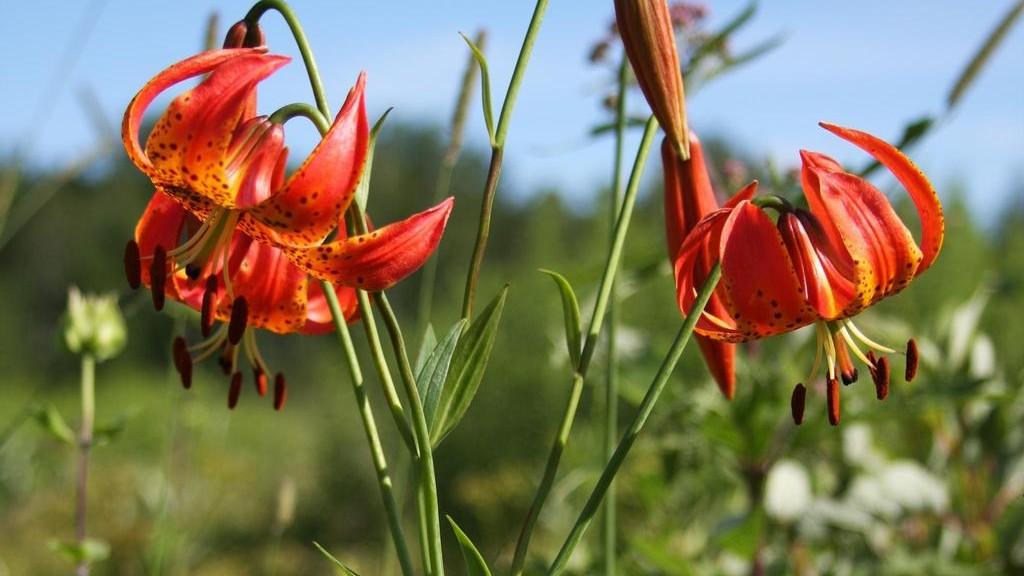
161 224
910 176
318 314
720 358
761 289
689 195
689 278
311 203
178 72
274 289
379 259
825 273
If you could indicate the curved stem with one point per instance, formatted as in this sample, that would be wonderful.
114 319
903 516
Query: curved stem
611 396
380 463
282 7
629 438
497 153
596 320
289 111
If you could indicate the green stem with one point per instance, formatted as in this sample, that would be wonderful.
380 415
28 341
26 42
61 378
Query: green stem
84 444
611 398
444 176
253 17
596 320
428 478
380 463
497 153
636 426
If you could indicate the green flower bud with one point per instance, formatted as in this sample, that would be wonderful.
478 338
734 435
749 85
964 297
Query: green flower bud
93 325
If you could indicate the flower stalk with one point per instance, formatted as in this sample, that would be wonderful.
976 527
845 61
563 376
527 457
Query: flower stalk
580 372
636 426
88 392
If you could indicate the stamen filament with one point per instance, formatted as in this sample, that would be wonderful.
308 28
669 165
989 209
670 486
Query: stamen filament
853 346
817 355
830 351
860 336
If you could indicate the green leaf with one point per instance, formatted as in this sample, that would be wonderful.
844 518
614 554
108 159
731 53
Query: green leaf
485 86
426 347
344 569
982 56
431 378
363 188
718 40
475 564
467 368
571 312
50 419
107 433
89 551
741 535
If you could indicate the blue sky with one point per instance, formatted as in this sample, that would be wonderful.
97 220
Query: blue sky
872 65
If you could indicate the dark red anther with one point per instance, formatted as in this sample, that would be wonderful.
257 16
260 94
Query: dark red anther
911 360
239 317
193 271
182 361
158 276
239 36
133 264
796 403
280 391
849 376
235 390
847 371
832 395
881 377
206 313
260 379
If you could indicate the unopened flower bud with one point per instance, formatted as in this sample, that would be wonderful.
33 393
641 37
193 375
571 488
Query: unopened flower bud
239 36
647 35
93 325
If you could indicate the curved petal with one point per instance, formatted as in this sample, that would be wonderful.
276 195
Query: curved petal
910 176
178 72
379 259
689 195
760 286
689 277
274 289
318 314
826 274
161 224
309 206
197 139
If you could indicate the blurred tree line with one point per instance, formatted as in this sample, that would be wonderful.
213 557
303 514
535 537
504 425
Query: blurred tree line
714 488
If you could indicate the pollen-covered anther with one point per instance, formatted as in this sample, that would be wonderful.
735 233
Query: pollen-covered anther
880 374
832 397
206 312
182 361
911 370
133 264
239 319
280 391
158 276
234 390
260 380
797 402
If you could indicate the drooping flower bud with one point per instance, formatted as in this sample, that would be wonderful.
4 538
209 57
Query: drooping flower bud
647 35
239 36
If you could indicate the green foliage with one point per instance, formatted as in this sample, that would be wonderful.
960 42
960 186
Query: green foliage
571 311
475 564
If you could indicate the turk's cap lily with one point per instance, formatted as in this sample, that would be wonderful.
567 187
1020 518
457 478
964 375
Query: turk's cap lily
650 43
819 266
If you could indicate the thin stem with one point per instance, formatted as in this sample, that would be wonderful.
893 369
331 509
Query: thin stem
596 320
444 175
497 153
428 479
636 426
84 444
611 398
282 7
370 427
289 111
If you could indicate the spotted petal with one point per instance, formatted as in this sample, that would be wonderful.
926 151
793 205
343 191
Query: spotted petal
378 259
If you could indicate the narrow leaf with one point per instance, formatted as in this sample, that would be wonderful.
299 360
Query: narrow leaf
432 376
52 422
982 56
475 564
88 551
485 86
571 312
363 188
467 368
715 42
426 347
344 569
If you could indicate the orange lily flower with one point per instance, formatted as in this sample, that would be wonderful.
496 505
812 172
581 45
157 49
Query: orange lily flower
219 174
821 266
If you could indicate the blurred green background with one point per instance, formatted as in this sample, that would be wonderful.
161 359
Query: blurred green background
928 482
